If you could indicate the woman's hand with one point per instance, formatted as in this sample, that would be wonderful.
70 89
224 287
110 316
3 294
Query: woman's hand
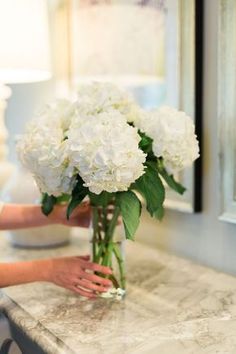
76 274
73 273
81 216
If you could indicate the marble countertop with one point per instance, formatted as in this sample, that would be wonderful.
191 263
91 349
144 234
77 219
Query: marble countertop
173 306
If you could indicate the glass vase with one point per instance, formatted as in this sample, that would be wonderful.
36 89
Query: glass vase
107 247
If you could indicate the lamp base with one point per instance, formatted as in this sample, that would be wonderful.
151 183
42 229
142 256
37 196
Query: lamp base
6 171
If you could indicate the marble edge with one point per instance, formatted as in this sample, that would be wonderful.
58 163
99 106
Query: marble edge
31 327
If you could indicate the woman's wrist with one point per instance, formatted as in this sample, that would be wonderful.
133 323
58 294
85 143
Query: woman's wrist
41 270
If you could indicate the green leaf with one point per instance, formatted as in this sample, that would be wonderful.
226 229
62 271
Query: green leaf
159 214
130 208
48 202
64 198
150 186
145 143
78 194
102 199
172 183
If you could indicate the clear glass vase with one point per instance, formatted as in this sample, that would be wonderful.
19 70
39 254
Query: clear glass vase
108 247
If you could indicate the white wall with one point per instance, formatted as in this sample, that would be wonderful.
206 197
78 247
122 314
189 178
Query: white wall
201 236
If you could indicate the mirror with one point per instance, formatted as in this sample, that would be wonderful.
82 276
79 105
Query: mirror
151 47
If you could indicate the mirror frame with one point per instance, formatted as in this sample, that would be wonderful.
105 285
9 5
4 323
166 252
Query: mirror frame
190 98
227 109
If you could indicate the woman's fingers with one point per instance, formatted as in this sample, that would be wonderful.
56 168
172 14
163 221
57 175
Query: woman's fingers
85 258
96 268
96 279
83 292
91 286
77 274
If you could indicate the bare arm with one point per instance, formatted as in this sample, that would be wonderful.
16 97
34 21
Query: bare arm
69 272
16 216
22 272
73 273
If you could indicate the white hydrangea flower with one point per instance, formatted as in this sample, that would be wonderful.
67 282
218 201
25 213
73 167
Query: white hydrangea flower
59 112
106 154
136 115
101 96
42 149
144 121
173 137
91 137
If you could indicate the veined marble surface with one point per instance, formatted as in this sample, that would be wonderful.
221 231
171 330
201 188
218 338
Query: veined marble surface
173 307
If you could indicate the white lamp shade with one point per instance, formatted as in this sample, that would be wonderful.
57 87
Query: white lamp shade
24 41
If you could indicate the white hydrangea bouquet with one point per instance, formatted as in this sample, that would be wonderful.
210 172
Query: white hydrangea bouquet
104 147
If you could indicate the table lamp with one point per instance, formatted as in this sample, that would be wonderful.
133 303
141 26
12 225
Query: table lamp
24 57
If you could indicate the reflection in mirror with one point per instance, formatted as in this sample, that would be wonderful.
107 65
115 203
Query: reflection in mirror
126 42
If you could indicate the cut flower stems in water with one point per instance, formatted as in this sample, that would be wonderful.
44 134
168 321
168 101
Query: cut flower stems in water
106 247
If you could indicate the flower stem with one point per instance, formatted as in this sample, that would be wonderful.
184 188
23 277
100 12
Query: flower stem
103 245
95 231
112 225
121 265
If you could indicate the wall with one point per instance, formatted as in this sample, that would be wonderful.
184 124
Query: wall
200 237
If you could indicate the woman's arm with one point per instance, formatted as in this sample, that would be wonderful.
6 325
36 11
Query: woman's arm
69 272
16 216
22 272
